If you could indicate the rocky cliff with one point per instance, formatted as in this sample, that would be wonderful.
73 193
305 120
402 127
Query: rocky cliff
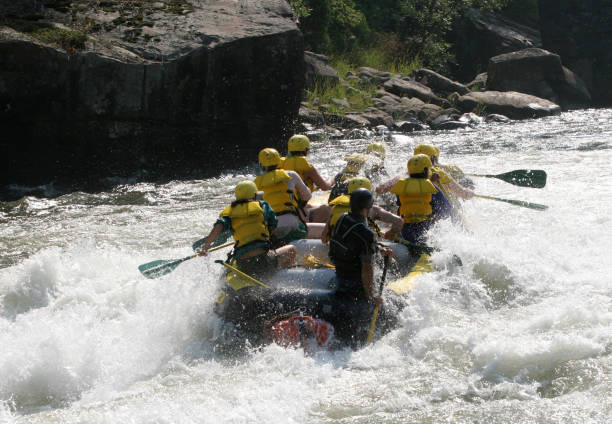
581 33
170 87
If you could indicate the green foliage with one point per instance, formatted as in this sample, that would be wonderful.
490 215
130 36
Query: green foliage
321 95
67 39
300 8
386 34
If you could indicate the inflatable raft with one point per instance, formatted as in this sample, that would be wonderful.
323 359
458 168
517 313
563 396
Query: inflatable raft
300 306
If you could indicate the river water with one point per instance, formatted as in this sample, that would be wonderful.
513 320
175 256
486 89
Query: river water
521 333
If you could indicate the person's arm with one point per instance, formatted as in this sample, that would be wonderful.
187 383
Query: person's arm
458 190
379 214
325 235
301 189
218 228
316 178
387 185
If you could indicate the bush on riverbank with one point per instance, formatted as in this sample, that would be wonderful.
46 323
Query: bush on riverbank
383 34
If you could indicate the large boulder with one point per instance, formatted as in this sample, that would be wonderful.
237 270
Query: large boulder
404 88
439 83
173 88
540 73
511 104
317 70
579 32
480 35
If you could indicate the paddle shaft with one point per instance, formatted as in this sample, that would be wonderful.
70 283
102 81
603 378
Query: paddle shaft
151 270
535 206
376 309
242 274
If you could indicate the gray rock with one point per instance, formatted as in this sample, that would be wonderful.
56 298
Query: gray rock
404 88
540 73
480 35
318 70
479 83
358 134
471 119
377 117
511 104
310 116
223 81
494 117
409 126
450 125
439 83
353 120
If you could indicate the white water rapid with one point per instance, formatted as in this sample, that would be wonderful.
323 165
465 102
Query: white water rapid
521 333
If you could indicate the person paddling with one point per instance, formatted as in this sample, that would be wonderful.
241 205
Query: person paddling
298 148
421 201
352 249
438 175
341 205
281 189
251 222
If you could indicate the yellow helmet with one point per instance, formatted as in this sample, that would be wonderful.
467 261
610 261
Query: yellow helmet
377 148
298 143
359 182
426 149
418 163
245 190
269 157
354 163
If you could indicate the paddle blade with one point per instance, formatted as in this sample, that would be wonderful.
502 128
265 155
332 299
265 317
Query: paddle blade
156 269
534 178
222 238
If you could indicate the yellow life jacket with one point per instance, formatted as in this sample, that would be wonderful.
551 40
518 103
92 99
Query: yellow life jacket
453 170
341 205
415 199
444 177
276 191
248 222
300 165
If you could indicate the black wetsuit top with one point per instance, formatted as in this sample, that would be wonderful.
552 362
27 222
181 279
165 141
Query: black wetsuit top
351 245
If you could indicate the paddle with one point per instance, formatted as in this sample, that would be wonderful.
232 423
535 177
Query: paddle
535 178
535 206
221 238
242 274
161 267
376 309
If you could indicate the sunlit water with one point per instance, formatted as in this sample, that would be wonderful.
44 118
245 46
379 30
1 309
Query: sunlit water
522 333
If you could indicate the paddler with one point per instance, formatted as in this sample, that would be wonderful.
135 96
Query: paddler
352 249
376 152
353 168
298 148
421 201
251 222
440 176
281 189
448 185
370 165
341 205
